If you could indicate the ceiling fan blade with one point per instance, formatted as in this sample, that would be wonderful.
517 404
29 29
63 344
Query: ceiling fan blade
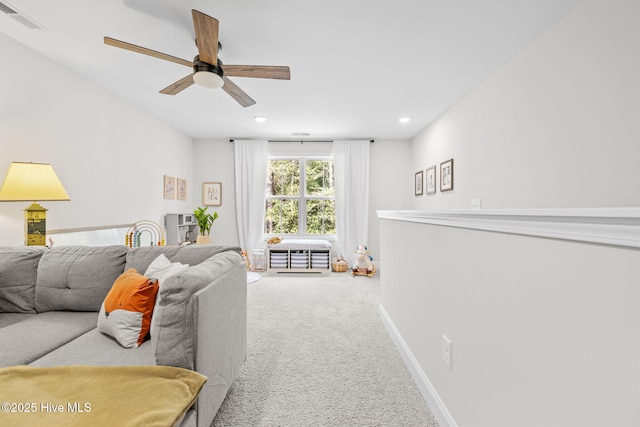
236 93
145 51
178 86
259 71
206 29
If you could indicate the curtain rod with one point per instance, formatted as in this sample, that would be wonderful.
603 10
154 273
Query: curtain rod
302 141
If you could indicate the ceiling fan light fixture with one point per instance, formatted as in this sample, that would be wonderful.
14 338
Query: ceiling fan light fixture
208 79
207 75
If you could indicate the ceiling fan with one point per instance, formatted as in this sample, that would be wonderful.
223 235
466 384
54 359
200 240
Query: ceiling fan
208 70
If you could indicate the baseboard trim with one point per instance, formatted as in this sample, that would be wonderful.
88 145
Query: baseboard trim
435 403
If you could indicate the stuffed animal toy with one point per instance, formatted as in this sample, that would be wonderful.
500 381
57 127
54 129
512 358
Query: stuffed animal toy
245 258
363 265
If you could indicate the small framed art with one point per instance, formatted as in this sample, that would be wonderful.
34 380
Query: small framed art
182 189
431 180
419 182
212 194
169 187
446 175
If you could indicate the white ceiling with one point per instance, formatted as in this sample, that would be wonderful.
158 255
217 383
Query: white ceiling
356 65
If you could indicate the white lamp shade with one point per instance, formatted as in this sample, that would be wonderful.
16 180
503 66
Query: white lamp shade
208 79
30 182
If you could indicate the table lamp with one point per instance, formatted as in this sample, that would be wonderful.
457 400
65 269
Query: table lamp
28 182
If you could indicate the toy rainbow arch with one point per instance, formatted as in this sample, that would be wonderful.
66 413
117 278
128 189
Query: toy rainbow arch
144 232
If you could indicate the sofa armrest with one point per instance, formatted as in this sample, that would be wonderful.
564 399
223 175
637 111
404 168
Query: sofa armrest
220 319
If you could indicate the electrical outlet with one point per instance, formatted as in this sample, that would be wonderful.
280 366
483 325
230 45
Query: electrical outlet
476 204
446 351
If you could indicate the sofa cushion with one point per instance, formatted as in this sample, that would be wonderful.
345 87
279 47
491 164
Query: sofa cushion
174 341
126 311
77 278
32 338
18 272
141 258
7 319
95 348
161 268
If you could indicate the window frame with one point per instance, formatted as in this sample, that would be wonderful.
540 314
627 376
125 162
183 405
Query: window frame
302 197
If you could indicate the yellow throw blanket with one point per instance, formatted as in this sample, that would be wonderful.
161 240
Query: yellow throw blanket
96 395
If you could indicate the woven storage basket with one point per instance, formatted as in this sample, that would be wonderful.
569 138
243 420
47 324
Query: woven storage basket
339 267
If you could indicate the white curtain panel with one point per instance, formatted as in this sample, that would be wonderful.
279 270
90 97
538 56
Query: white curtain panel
351 168
251 160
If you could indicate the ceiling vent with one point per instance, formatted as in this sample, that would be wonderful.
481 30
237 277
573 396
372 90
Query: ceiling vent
20 17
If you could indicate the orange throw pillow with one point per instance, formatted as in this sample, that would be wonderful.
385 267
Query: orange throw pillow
127 309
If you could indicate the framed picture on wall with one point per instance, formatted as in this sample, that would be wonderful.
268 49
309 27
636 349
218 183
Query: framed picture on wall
418 183
182 189
212 194
446 175
169 187
431 180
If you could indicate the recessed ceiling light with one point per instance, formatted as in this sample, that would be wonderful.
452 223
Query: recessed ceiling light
260 119
404 119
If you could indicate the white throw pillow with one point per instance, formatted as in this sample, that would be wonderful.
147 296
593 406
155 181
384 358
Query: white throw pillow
161 268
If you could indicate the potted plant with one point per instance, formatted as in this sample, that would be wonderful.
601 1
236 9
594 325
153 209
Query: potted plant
205 221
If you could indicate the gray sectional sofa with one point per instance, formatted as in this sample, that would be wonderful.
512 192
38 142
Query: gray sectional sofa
50 299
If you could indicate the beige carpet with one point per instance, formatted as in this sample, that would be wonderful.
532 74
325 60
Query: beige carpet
319 355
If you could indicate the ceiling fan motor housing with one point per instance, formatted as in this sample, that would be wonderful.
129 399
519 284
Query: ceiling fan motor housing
207 75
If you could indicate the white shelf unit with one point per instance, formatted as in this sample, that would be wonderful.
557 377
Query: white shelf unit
299 260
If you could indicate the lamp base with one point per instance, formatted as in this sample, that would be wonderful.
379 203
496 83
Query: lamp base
35 226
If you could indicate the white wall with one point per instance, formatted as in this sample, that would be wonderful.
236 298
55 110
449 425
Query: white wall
543 331
557 127
389 184
389 174
109 155
214 162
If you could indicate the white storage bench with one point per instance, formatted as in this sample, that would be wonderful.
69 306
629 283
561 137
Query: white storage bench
300 256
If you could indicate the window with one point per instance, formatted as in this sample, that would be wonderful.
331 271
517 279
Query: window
300 197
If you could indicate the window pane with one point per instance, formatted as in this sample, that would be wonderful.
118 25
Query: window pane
319 178
281 216
321 217
283 178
